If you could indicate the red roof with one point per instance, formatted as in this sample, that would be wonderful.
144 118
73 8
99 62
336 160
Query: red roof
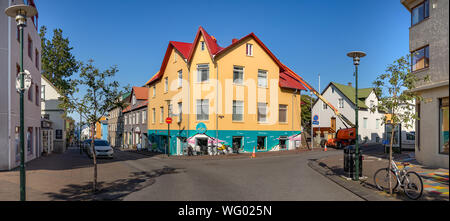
141 93
290 79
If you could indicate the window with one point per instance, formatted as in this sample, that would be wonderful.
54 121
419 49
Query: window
443 125
324 106
262 112
43 92
30 140
154 115
365 123
59 134
30 48
30 92
341 103
282 113
372 104
261 142
144 117
36 94
180 111
249 50
262 78
238 111
161 119
154 91
138 115
203 109
166 84
420 12
203 45
37 59
410 136
238 75
282 142
133 102
202 73
180 78
170 109
420 58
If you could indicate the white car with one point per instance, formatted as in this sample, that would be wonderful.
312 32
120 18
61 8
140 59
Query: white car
102 149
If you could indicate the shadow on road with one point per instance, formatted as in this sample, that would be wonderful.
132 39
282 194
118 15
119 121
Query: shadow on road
73 159
109 191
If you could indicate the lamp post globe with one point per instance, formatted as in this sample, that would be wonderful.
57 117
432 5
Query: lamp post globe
356 55
20 13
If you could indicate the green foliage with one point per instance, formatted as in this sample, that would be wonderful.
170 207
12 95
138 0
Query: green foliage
394 90
306 111
58 62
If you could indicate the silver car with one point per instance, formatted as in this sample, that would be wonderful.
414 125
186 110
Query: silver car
102 149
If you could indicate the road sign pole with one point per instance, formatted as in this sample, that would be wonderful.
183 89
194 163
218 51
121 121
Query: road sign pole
22 125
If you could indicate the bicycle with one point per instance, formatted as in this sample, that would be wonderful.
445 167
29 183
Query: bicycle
410 181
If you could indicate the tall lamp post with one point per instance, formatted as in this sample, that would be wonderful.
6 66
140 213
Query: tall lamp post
356 55
21 13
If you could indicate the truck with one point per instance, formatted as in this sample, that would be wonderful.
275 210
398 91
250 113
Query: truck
343 137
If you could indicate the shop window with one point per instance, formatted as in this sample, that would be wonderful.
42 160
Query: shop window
283 142
261 143
443 125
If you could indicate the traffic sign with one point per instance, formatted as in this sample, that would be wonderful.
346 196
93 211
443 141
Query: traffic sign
169 120
316 117
315 122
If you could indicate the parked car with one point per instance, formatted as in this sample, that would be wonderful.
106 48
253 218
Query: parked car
102 149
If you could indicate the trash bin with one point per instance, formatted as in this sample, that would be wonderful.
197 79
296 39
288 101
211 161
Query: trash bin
349 161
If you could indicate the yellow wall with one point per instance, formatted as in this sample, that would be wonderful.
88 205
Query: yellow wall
224 69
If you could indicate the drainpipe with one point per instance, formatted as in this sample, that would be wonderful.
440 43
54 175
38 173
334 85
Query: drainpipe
293 95
217 99
9 90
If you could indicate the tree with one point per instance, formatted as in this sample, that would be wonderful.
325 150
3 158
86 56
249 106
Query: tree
58 62
306 112
100 96
397 84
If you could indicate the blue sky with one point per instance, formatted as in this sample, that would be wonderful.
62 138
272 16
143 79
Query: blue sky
311 37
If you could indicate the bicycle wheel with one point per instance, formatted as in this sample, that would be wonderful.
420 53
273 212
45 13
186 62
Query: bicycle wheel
381 179
412 185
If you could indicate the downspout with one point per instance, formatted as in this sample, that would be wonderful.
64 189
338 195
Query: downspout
217 99
9 90
293 100
189 98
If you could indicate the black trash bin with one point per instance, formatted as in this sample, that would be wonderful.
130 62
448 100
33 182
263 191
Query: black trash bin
349 161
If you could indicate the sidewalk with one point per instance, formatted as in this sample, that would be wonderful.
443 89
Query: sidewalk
435 180
69 176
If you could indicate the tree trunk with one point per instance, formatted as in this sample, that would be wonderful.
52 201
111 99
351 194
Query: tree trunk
390 159
94 156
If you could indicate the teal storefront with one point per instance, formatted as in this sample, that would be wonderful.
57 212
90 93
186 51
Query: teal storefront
261 141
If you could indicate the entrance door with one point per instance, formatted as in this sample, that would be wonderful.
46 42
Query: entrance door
261 143
203 144
237 143
333 123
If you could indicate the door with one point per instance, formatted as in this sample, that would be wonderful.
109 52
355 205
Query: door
333 123
237 143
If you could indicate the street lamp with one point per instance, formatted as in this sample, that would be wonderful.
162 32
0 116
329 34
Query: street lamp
20 13
356 55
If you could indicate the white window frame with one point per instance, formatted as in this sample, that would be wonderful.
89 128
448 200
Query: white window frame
202 45
166 84
238 104
154 116
249 50
341 102
203 116
199 73
161 119
259 105
180 111
154 91
242 72
286 117
180 78
266 78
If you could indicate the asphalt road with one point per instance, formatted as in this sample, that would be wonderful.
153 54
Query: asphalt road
276 178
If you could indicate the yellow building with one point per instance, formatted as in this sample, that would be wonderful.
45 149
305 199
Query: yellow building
241 94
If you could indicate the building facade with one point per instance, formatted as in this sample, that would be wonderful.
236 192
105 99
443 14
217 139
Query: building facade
135 119
9 97
241 95
342 97
429 46
116 123
51 111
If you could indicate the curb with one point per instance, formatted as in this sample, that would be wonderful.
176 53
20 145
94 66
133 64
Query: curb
353 187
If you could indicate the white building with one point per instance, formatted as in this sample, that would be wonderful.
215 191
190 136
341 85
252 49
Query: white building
9 98
50 110
342 97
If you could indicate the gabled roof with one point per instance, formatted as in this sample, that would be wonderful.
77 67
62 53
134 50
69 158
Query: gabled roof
138 105
349 92
141 93
288 78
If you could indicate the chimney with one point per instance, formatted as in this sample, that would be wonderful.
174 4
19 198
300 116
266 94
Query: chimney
234 40
350 84
215 40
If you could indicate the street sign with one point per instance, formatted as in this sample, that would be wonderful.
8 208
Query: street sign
315 122
27 80
316 117
169 120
